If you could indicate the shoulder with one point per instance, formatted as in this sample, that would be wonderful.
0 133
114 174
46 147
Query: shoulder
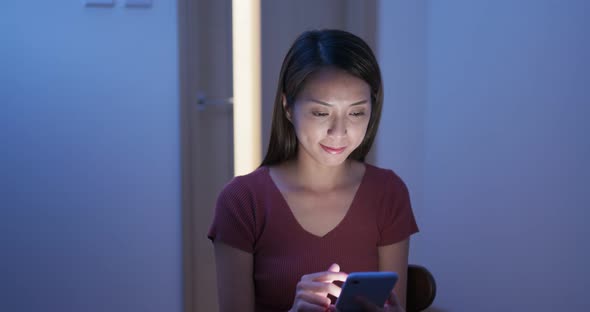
245 186
238 216
250 180
384 177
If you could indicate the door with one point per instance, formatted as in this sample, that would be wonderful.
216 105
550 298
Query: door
207 137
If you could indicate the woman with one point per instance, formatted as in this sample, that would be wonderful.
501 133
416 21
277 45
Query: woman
285 234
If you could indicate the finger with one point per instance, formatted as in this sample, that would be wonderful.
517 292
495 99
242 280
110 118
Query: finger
334 268
334 290
306 306
325 277
392 300
319 287
313 299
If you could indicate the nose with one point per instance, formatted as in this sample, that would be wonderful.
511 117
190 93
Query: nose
337 128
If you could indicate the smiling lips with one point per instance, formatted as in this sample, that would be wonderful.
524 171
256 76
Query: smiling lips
333 151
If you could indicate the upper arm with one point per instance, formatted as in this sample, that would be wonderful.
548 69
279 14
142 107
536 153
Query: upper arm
394 258
235 283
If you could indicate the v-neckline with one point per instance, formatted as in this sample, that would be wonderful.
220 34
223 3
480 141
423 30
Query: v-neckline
294 220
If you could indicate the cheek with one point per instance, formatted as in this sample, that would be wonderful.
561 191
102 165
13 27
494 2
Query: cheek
359 125
360 130
310 129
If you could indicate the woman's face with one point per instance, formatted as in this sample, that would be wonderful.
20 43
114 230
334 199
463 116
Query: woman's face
330 116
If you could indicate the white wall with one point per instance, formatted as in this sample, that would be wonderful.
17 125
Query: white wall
89 161
486 118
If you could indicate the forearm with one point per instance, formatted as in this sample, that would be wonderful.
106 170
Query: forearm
235 286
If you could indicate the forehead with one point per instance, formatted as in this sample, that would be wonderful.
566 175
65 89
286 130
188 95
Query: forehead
335 85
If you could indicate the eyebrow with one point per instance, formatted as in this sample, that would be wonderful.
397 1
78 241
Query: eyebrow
328 104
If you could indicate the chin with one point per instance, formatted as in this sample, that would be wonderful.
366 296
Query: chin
334 160
324 158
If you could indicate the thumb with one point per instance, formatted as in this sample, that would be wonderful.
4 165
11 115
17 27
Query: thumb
334 268
392 300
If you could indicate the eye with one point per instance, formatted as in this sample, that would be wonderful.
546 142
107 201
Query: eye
357 114
319 114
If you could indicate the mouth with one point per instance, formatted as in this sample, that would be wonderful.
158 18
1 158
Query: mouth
332 150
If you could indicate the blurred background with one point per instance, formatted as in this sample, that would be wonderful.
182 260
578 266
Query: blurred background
116 135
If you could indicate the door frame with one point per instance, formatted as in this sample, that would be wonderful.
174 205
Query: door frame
186 164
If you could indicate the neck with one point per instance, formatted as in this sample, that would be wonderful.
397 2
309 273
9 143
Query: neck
311 175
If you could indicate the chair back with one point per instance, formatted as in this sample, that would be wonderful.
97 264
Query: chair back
421 288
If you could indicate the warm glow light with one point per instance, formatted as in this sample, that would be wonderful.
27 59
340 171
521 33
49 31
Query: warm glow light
246 78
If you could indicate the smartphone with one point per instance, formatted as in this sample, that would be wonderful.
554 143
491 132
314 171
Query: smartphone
373 286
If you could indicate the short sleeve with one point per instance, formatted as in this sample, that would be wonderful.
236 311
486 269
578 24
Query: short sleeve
396 222
234 221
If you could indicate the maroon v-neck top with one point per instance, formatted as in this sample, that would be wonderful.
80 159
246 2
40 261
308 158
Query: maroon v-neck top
252 215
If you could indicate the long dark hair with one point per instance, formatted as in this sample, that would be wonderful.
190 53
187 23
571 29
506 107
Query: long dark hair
310 52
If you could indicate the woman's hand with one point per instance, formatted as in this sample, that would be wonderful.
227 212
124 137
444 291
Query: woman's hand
313 289
392 305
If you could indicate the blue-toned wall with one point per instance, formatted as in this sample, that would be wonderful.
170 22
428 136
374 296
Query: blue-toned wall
89 161
487 119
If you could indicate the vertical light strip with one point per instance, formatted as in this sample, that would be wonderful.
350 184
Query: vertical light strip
246 78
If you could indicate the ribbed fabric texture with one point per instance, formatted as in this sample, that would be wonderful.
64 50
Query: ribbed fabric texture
252 215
